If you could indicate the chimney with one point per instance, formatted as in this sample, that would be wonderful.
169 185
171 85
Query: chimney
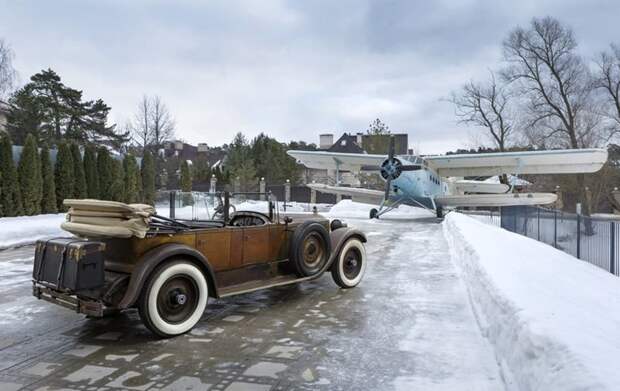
358 138
326 140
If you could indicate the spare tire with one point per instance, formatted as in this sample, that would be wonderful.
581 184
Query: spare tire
310 248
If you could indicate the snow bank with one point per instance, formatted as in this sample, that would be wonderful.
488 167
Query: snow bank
554 320
23 230
348 208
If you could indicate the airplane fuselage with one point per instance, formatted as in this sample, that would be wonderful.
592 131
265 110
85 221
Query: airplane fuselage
421 186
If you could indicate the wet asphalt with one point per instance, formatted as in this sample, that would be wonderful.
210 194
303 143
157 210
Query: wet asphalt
407 326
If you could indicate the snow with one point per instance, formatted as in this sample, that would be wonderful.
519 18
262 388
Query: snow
348 208
553 319
23 230
512 180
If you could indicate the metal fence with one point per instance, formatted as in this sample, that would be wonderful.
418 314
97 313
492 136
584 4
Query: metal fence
594 240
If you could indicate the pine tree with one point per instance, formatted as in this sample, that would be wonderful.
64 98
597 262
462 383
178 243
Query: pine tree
132 180
11 196
79 189
64 176
117 191
186 177
148 179
105 174
29 173
90 172
48 200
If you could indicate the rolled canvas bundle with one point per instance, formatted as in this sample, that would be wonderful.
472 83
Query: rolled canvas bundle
97 218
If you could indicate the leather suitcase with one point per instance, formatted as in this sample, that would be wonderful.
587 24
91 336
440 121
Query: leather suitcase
69 263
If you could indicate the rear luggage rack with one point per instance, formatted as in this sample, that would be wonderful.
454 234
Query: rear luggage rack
81 306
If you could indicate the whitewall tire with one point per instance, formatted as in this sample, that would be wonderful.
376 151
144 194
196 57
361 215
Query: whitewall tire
348 269
174 299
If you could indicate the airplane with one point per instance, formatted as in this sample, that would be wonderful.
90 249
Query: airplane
436 182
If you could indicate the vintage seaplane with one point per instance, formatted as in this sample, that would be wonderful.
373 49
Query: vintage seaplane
436 182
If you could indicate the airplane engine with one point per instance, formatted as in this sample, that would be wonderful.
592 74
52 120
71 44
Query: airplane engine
391 168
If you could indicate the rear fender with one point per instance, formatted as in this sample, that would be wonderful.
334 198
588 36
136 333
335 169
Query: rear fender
155 257
339 237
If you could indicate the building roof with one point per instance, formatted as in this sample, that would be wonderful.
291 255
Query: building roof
346 143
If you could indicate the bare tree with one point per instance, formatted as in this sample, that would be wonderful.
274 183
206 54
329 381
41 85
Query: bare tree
557 87
162 123
555 82
486 105
141 124
608 80
152 124
8 75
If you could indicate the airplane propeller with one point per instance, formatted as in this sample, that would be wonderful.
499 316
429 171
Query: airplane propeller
392 167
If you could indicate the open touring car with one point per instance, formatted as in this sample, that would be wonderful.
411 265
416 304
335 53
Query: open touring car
125 256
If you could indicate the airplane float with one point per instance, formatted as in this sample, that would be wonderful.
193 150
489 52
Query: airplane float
436 182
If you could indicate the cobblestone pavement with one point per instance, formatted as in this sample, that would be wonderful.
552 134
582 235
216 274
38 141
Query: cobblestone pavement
408 326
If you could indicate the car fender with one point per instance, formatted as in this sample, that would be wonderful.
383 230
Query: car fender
338 238
156 256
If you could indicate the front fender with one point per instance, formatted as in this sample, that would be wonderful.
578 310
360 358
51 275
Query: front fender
338 237
153 258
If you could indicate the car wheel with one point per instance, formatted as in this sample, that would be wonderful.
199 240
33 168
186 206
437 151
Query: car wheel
348 269
310 248
174 299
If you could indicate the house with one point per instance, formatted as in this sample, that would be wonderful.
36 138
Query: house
4 112
184 151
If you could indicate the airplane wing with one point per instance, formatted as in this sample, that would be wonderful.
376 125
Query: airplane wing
466 186
527 162
330 160
366 196
489 200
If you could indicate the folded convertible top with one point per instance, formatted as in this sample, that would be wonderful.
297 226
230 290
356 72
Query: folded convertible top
98 218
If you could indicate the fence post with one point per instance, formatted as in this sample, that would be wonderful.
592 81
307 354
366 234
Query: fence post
538 229
612 252
578 236
555 228
172 204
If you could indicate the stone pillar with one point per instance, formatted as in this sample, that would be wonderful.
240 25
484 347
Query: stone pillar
559 203
312 196
237 185
262 188
589 199
212 189
338 198
213 184
287 191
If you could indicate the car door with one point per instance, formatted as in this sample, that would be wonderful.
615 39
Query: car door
256 248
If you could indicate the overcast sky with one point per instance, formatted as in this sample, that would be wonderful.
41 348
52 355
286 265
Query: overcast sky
292 69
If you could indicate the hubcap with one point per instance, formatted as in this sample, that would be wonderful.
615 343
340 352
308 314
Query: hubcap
352 263
177 299
313 251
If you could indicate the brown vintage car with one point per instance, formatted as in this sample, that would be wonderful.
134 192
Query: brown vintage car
170 272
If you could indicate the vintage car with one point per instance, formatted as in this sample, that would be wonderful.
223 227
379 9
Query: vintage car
125 256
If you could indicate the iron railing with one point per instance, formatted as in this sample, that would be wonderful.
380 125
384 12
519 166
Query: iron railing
594 240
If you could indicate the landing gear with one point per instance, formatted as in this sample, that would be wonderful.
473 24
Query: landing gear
439 211
374 213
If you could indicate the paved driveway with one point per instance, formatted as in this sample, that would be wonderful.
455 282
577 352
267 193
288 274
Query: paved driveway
408 326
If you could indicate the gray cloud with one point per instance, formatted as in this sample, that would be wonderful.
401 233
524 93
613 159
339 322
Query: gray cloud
291 69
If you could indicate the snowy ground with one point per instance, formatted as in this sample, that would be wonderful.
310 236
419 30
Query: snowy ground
19 231
408 326
554 320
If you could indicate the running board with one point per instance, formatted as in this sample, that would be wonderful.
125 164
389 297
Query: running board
252 286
